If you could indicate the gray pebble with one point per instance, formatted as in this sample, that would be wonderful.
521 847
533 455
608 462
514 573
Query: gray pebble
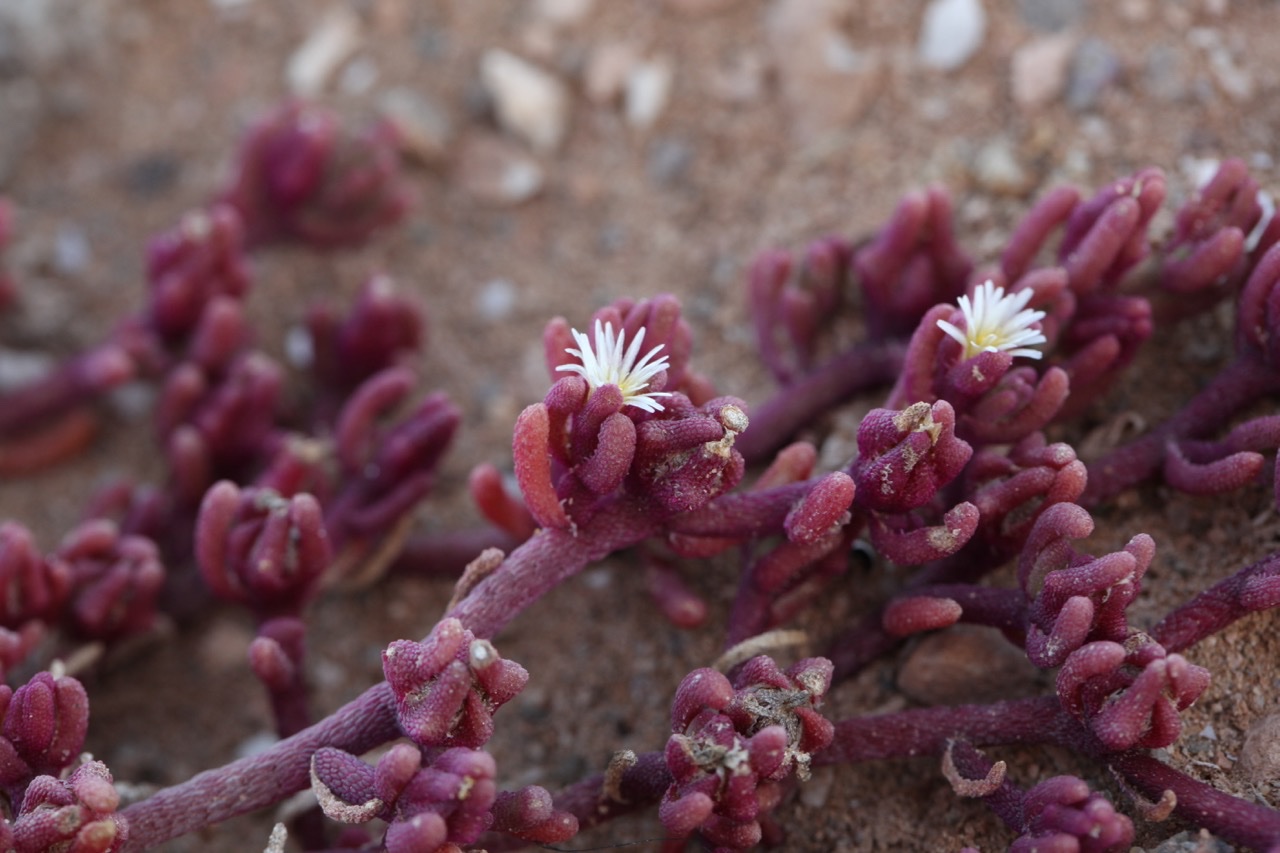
1095 67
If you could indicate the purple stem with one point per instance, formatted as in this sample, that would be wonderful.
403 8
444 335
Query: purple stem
549 558
925 731
264 779
446 554
1240 384
857 369
76 381
534 568
1236 820
1247 591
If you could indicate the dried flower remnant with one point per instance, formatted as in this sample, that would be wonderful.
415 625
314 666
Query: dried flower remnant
995 322
605 363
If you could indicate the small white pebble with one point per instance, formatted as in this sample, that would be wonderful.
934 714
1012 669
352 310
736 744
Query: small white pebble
648 91
951 33
496 299
333 39
299 349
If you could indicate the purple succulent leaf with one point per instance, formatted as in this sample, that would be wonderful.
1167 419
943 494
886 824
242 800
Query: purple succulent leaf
1106 235
448 687
32 587
46 721
905 457
302 177
117 580
190 268
76 814
912 264
260 549
908 545
529 814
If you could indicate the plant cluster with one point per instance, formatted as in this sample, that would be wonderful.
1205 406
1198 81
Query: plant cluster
272 497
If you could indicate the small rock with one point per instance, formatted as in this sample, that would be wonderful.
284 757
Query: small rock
71 253
1188 841
424 127
607 70
668 160
19 368
700 8
256 743
966 664
648 90
496 299
133 401
329 44
44 34
1260 755
1095 67
1234 81
951 33
997 170
563 13
153 174
1039 69
496 171
1165 73
1052 15
531 103
826 82
815 792
359 76
740 81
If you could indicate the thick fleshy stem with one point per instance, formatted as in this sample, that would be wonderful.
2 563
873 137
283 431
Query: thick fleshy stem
852 372
77 383
1236 820
1248 591
1240 384
263 779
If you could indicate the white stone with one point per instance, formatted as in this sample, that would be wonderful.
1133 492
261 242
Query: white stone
531 103
951 33
494 170
1039 68
826 80
19 368
496 299
607 70
424 127
648 91
329 44
563 13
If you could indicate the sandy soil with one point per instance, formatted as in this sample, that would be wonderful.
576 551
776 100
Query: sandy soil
126 115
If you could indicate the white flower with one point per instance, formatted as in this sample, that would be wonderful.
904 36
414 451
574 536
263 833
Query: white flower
606 364
994 322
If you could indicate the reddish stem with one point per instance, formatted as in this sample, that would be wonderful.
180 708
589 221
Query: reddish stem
857 369
533 569
1240 384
